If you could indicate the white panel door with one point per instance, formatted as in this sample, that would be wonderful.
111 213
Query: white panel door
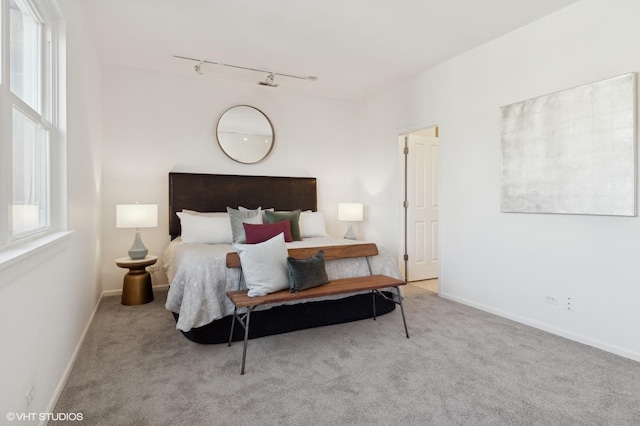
422 212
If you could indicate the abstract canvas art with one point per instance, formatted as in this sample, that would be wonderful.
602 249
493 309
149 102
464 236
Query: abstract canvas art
571 152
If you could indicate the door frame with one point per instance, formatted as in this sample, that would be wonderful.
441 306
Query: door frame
402 158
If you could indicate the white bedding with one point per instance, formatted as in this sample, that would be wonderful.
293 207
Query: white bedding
199 278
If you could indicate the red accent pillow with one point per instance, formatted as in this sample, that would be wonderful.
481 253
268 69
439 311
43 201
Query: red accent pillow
261 233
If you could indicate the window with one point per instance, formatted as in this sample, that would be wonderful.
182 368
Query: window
25 39
28 111
30 204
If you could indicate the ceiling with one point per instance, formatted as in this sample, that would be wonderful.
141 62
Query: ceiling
355 47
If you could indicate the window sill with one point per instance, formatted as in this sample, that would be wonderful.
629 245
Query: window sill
18 260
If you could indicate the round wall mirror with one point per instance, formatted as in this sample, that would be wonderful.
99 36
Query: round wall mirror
245 134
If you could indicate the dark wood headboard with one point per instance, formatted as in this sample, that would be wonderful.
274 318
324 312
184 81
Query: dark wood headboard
214 193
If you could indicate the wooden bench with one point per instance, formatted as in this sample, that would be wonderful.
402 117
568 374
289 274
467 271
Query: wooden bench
373 283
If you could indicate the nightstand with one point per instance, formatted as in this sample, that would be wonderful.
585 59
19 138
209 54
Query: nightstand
136 289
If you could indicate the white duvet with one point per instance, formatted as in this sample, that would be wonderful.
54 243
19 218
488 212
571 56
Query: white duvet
199 278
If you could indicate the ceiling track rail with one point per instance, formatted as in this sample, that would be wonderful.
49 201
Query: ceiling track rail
198 68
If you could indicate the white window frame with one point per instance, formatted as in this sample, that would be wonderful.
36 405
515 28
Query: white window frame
52 109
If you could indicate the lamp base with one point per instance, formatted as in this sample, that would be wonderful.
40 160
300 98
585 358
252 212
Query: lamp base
138 250
350 235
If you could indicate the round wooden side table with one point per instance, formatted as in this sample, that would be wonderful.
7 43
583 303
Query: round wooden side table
136 289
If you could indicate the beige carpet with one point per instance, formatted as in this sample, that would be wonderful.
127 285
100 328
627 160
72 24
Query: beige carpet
460 366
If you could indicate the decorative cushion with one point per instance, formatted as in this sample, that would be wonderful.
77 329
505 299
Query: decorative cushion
306 273
264 265
293 217
312 224
260 209
260 233
237 218
244 209
205 229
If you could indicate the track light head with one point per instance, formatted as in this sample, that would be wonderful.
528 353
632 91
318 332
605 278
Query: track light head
269 81
198 67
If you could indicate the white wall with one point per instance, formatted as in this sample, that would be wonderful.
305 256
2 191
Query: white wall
505 263
155 123
45 308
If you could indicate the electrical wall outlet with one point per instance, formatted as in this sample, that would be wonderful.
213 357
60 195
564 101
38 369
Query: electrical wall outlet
550 298
570 304
29 397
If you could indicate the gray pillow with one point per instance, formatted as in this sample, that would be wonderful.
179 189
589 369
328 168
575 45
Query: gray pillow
306 273
260 209
237 218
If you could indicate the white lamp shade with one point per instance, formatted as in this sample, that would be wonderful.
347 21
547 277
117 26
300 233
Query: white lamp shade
350 212
136 215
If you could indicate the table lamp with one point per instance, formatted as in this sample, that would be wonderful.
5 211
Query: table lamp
350 212
137 216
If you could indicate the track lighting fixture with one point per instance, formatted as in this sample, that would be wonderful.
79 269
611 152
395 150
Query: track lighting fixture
268 81
198 67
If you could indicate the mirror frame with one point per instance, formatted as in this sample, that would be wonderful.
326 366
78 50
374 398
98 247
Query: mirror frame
273 134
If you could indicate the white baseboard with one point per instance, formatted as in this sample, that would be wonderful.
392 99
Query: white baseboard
118 292
67 371
65 376
547 327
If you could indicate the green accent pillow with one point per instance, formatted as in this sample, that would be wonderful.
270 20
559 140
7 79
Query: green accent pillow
306 273
293 217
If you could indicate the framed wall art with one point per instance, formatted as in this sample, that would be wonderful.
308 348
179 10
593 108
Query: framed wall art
571 152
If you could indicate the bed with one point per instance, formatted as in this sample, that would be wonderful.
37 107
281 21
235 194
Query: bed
199 278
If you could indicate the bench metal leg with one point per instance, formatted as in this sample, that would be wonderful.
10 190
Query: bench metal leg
397 302
373 298
404 320
244 321
246 339
233 322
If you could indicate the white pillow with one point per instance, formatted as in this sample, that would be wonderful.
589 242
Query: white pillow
312 224
264 265
210 214
205 229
